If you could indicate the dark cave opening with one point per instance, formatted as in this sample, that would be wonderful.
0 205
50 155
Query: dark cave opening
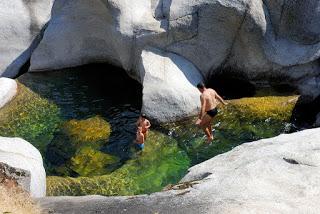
231 84
305 112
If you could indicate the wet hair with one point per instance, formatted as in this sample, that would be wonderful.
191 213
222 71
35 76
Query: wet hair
201 85
143 115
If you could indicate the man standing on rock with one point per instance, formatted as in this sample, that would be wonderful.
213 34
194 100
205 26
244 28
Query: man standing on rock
209 100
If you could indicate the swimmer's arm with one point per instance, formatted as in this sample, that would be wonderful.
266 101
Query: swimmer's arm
148 124
220 99
142 139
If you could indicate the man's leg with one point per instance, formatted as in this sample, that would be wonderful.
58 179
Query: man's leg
206 125
210 130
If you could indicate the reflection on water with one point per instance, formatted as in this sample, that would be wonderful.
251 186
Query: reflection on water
90 144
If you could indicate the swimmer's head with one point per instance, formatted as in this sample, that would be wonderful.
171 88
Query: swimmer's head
139 129
143 115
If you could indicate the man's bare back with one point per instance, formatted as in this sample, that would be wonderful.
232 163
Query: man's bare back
209 98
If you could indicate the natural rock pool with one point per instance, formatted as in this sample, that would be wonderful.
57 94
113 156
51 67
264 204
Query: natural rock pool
83 122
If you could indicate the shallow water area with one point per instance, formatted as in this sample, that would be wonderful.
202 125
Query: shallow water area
83 122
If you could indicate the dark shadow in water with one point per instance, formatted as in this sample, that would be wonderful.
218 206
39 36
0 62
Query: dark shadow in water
231 84
305 112
87 91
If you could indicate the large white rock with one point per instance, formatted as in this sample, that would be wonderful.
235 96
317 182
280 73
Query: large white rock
20 26
169 86
276 175
20 154
248 36
8 89
259 39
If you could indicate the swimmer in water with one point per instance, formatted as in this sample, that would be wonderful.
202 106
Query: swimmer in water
140 138
144 124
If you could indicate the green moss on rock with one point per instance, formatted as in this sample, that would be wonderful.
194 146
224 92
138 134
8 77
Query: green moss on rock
242 120
89 130
90 162
273 107
78 143
30 117
161 163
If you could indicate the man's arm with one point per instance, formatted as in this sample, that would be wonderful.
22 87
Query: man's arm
220 99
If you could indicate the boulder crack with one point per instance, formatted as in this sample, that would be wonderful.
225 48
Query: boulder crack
295 162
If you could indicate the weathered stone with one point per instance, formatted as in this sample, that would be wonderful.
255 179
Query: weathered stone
20 29
8 89
276 175
258 39
12 177
20 154
169 81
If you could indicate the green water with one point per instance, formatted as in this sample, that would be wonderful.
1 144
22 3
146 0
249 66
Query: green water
83 124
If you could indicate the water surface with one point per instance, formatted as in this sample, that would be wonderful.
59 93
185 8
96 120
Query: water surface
83 122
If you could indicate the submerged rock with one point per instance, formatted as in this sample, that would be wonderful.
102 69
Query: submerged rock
90 162
160 163
75 149
21 155
277 175
89 130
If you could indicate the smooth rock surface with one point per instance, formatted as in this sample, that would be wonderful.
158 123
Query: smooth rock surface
20 29
276 175
20 154
245 34
259 39
8 89
169 86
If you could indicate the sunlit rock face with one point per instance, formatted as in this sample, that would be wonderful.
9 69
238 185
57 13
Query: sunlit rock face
277 175
20 32
260 39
